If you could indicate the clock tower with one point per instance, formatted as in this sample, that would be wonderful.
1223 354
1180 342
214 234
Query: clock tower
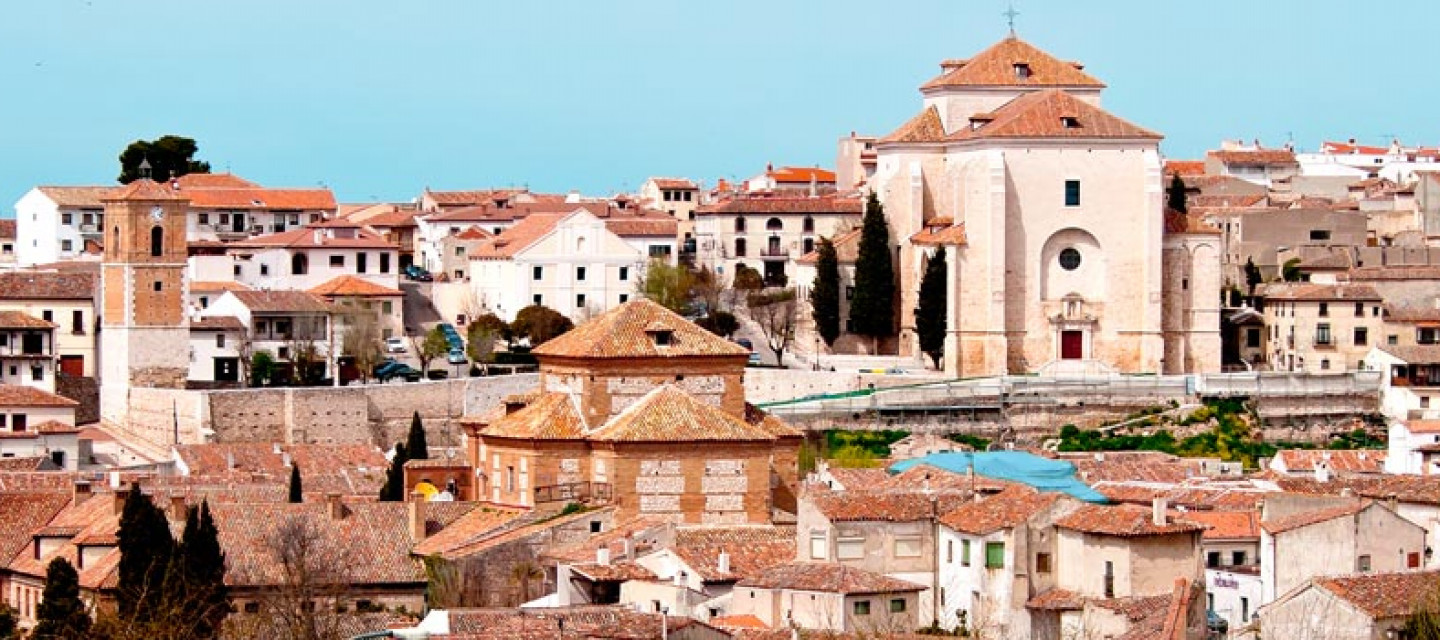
144 330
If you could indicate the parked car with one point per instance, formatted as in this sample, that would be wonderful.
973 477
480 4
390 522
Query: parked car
395 345
415 272
394 370
745 342
754 358
456 356
1215 623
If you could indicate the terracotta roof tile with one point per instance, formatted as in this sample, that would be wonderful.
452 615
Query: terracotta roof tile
1385 595
752 549
1413 354
925 127
770 424
351 286
474 233
1056 599
510 534
380 528
552 416
48 285
143 189
260 198
479 522
472 197
615 623
213 181
1004 510
675 183
768 204
1185 167
827 578
881 505
1404 488
22 320
1315 516
310 237
1261 157
21 514
1308 291
859 479
799 175
1124 520
951 236
995 66
32 463
7 228
77 197
390 219
282 300
626 227
217 286
738 622
517 238
620 333
1342 461
1228 525
217 323
667 414
14 395
1045 114
847 249
1176 222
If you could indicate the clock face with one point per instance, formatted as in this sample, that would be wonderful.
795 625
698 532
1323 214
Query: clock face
157 214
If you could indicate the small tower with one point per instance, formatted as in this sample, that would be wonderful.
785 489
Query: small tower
145 333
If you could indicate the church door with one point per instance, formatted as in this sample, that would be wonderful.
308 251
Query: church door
1072 345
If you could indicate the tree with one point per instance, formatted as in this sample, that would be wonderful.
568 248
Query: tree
304 356
202 566
747 279
362 339
394 488
431 347
930 318
168 156
8 623
61 614
480 341
872 309
825 296
296 488
775 312
540 324
262 367
1175 195
146 549
720 323
415 445
1290 271
709 290
667 285
1252 275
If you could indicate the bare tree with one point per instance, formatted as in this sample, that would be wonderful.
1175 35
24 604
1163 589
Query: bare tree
777 314
309 602
362 340
245 350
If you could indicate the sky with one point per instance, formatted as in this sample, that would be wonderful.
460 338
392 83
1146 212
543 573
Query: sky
379 100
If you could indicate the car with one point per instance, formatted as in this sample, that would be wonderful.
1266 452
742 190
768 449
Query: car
745 342
754 358
456 356
395 345
398 370
415 272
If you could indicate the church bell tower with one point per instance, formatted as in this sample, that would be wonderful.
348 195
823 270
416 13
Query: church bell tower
144 330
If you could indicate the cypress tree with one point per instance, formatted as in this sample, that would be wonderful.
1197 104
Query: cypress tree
202 565
394 488
146 550
61 614
872 309
415 442
1175 194
825 296
296 490
930 318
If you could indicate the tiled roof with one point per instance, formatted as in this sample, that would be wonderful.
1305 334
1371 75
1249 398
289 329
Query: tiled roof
675 183
628 227
1177 222
75 197
879 505
213 181
951 236
612 623
1124 520
21 514
1423 426
1056 599
471 197
925 127
552 416
1044 114
217 286
738 622
1228 525
268 458
752 549
1004 510
32 463
1306 518
1343 461
14 395
1150 466
507 535
143 189
667 414
348 286
48 285
314 238
1414 354
1404 488
1385 595
1319 292
1261 156
622 333
827 578
1185 167
22 320
7 228
799 175
474 233
481 521
282 300
248 531
642 533
784 204
847 249
52 427
1343 148
260 198
859 479
396 218
517 238
772 425
1396 272
995 66
1233 200
217 323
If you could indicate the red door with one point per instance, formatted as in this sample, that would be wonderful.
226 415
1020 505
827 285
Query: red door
1071 345
72 365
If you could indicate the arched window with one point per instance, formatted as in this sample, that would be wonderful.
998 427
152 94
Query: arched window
115 240
157 241
774 224
580 245
299 264
739 247
740 225
808 226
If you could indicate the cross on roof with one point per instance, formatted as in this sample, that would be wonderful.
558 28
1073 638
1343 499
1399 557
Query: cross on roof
1010 14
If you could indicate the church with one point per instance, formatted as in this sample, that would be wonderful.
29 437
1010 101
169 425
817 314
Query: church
1062 257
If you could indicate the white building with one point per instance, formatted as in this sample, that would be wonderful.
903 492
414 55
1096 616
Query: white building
278 321
305 258
27 351
55 223
577 264
215 344
37 423
771 233
1409 380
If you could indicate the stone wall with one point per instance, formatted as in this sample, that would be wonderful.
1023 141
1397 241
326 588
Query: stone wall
84 390
772 385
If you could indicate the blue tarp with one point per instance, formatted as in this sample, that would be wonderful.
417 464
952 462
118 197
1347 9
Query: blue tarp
1044 474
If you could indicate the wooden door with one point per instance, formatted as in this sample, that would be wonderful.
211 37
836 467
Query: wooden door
1072 345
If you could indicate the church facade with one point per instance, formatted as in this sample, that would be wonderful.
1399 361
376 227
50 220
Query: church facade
1061 255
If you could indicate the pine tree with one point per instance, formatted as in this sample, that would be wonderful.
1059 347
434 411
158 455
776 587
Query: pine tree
394 488
930 319
872 309
1175 195
202 566
61 614
296 489
146 550
415 442
825 296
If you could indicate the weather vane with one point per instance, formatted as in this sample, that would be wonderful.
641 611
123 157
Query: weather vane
1010 14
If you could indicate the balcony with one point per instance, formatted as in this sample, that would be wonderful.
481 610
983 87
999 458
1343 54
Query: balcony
774 253
573 492
1324 343
90 229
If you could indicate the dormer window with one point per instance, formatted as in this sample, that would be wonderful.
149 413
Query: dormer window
1022 71
1070 122
660 334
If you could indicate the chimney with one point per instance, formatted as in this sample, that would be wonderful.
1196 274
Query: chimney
115 480
679 578
602 556
1392 501
80 492
229 461
1322 471
417 516
1157 511
285 460
629 548
337 509
178 508
275 447
722 564
119 499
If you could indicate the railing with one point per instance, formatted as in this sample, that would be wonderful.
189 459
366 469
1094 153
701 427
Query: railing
572 492
774 252
89 228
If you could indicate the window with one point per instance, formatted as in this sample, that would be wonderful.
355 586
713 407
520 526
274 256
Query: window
204 218
907 547
77 322
157 242
659 251
624 274
264 269
299 264
861 607
337 261
537 273
849 293
1042 563
1427 336
1322 333
252 607
1237 558
624 297
1109 579
1069 259
1022 71
362 260
1252 337
1362 336
580 274
509 478
37 372
1392 340
1070 122
1324 309
852 548
774 224
1212 559
949 552
1412 560
579 301
18 422
688 196
964 553
818 545
66 245
384 262
66 218
897 605
1359 309
808 225
807 245
1072 193
1319 234
1362 564
537 299
739 247
47 315
159 285
594 526
387 307
236 270
994 555
1244 608
7 249
739 225
204 302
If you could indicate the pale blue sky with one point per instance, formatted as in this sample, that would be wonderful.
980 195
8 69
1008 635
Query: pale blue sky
380 99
